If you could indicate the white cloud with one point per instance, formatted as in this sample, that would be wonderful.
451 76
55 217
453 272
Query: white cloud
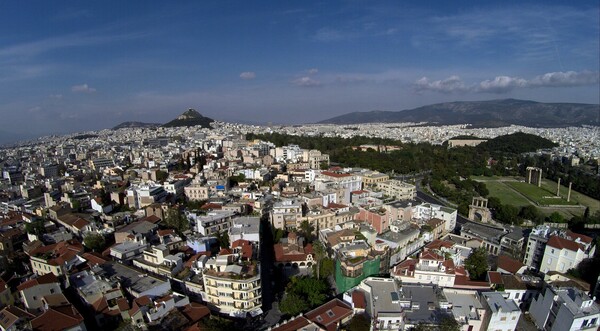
448 85
505 84
306 82
501 84
248 75
569 78
313 71
83 88
34 109
56 96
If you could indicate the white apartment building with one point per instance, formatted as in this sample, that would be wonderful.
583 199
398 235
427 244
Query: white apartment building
347 182
142 196
564 309
429 268
427 211
562 254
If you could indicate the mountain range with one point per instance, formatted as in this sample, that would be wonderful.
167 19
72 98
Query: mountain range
492 113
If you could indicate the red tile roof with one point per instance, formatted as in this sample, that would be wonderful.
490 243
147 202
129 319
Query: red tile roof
495 277
44 279
57 319
438 244
246 247
582 238
358 299
330 314
561 243
335 174
431 256
509 264
194 312
298 323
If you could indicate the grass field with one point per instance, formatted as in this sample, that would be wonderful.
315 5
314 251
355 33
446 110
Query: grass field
506 188
539 195
506 195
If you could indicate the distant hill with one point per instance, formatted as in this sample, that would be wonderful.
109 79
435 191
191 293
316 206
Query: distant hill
493 113
136 125
190 118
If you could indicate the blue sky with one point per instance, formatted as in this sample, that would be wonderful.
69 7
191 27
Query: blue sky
68 66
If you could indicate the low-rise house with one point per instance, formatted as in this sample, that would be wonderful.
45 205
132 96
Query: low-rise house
158 260
429 268
135 283
246 228
143 227
423 304
467 308
59 318
129 249
381 301
331 315
6 298
32 291
14 319
501 313
508 265
56 258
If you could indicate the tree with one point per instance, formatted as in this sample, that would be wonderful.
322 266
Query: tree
95 242
161 176
216 324
307 230
177 221
311 291
327 267
360 322
556 217
292 304
319 251
449 324
223 239
530 212
477 264
36 227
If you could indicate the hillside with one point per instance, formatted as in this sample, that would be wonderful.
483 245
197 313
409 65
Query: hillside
493 113
135 125
516 143
190 118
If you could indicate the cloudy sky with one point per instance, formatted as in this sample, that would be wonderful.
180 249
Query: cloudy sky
68 66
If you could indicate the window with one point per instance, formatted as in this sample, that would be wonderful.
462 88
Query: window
503 318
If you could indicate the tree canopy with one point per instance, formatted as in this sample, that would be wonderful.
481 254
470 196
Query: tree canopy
477 264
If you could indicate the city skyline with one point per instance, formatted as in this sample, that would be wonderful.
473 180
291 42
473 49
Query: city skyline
68 67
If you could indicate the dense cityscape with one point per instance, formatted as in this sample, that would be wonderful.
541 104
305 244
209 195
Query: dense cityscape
300 166
199 228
